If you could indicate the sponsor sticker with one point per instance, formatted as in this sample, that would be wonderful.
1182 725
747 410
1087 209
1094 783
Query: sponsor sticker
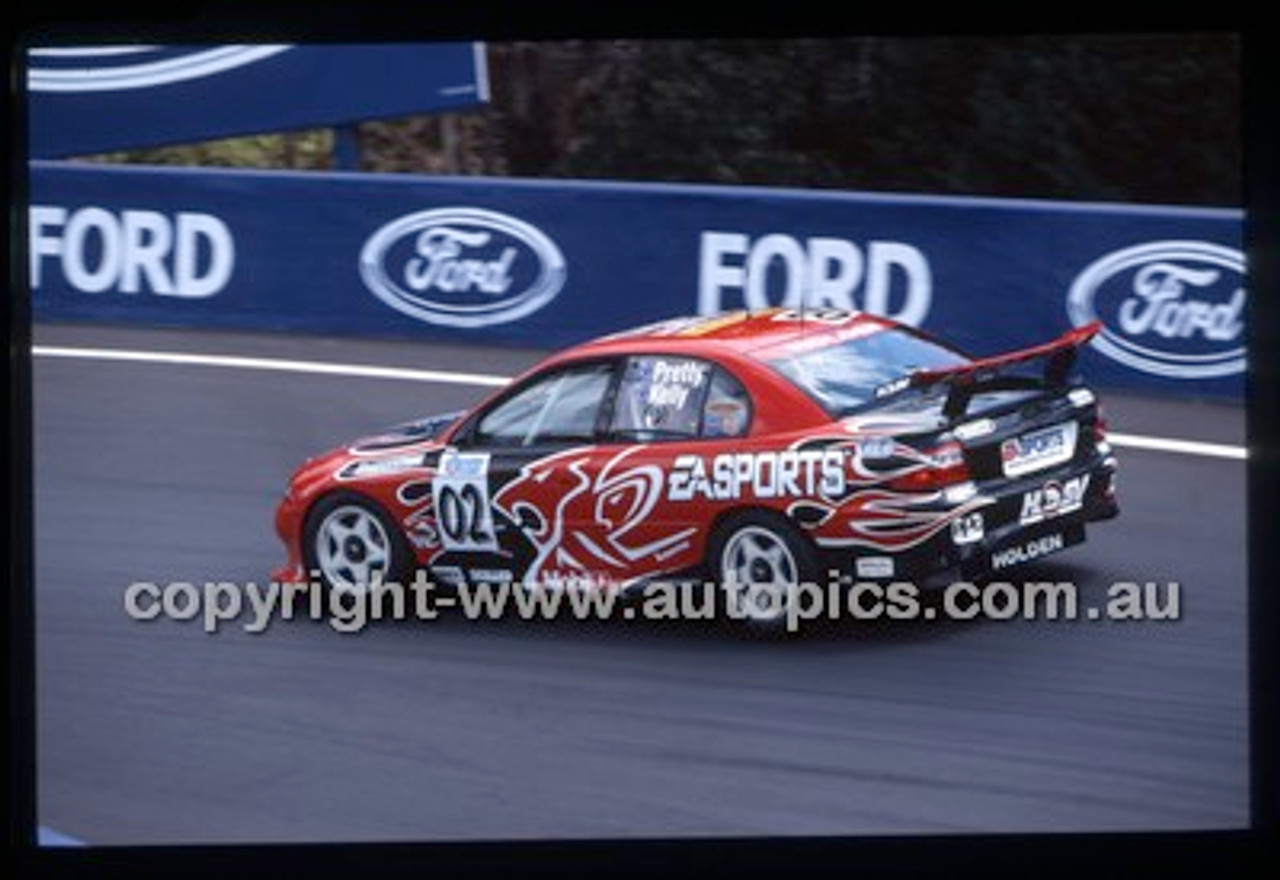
874 566
1081 397
875 448
1028 551
971 430
967 529
1038 450
378 467
729 476
448 575
1053 499
892 387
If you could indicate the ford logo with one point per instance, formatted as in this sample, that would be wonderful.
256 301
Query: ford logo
1170 308
462 267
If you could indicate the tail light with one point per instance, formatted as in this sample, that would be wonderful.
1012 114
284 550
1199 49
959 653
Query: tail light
1100 427
946 468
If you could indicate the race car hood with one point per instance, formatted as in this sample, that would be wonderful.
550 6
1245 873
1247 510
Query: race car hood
406 434
369 451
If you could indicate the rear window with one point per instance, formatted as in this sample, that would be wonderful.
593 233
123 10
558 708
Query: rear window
845 375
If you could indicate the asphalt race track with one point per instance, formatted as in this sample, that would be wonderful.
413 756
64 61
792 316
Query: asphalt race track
160 733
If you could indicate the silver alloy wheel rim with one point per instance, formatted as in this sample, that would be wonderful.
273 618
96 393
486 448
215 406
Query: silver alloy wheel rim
759 573
352 548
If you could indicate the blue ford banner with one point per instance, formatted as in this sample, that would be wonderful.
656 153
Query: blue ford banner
549 263
94 99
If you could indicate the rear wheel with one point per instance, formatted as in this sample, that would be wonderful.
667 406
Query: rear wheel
353 544
760 560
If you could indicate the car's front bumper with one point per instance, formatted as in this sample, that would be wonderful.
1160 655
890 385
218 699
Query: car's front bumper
288 524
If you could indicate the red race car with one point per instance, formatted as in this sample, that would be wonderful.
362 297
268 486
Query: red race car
773 446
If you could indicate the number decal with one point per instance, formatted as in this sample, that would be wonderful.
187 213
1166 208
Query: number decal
463 515
460 492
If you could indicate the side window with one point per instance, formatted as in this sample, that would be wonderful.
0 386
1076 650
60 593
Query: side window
659 398
560 408
727 412
677 398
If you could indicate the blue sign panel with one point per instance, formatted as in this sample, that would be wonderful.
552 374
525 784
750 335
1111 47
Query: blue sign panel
549 263
94 99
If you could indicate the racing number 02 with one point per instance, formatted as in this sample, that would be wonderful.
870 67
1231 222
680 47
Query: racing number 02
461 512
461 500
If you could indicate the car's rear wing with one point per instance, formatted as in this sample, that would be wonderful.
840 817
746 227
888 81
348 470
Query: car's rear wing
985 374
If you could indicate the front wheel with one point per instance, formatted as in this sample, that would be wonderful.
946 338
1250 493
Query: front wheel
353 544
760 560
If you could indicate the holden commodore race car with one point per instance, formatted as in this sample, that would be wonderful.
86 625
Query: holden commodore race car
773 446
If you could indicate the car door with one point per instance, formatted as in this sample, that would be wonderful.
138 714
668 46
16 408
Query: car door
670 414
509 486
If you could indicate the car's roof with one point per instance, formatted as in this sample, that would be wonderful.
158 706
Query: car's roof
738 336
758 332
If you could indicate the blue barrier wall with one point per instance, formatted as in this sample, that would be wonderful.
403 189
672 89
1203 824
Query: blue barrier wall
549 263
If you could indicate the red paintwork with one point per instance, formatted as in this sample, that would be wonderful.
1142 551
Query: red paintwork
608 508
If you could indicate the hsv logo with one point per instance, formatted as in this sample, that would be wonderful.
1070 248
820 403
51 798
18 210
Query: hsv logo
462 267
1053 499
1170 308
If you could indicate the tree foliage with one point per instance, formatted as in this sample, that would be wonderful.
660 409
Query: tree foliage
1143 118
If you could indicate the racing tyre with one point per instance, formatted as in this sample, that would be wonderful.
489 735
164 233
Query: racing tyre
758 561
353 543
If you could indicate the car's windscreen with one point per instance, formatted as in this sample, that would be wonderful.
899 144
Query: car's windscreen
845 375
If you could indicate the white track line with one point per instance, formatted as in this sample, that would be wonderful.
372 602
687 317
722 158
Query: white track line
1187 447
256 363
1134 441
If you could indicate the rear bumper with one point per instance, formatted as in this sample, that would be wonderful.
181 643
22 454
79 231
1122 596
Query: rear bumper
1016 532
1006 524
